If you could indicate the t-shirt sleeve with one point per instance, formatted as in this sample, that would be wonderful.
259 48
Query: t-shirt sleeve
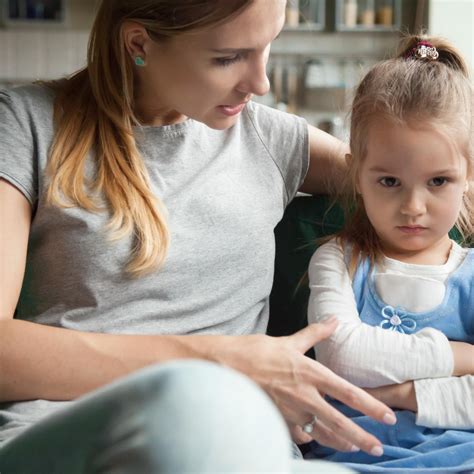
17 155
285 136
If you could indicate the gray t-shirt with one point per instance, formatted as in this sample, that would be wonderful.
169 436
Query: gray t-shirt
224 190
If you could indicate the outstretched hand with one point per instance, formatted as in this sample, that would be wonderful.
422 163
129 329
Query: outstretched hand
297 385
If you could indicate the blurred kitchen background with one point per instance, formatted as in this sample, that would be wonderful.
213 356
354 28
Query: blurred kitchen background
319 57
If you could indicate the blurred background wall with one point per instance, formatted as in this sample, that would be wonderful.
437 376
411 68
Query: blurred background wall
454 19
315 63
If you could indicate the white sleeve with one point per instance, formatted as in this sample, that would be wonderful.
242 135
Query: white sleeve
365 355
446 402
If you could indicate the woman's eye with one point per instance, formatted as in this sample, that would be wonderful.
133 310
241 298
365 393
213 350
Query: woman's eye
228 61
438 181
389 182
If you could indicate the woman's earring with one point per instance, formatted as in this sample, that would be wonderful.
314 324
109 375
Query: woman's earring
139 61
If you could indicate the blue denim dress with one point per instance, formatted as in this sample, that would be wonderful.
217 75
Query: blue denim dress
409 447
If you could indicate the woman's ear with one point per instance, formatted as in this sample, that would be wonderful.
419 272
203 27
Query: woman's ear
135 38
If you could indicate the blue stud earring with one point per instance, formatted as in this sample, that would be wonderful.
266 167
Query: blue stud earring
139 61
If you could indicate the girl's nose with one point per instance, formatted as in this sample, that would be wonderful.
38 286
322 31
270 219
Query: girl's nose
413 204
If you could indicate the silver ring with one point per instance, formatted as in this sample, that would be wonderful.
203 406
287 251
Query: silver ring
309 427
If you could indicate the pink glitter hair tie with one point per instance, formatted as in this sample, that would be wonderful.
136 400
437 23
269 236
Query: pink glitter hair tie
423 50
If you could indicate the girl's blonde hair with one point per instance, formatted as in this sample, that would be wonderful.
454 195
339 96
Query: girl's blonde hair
94 112
408 91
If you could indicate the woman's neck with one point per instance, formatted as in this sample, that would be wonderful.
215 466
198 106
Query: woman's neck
158 118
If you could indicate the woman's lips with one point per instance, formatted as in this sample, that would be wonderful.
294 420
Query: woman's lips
231 110
412 229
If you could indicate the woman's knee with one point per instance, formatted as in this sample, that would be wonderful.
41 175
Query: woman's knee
196 416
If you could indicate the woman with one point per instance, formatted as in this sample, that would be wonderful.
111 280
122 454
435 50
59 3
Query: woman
138 230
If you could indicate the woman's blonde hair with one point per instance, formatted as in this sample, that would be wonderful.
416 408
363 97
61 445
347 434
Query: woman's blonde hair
409 91
94 112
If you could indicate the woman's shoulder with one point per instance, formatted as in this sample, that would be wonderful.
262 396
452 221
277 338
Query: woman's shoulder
27 111
31 98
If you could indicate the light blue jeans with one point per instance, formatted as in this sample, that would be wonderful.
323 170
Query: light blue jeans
178 417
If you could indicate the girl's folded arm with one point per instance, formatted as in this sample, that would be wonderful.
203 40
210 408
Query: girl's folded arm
445 402
439 403
365 355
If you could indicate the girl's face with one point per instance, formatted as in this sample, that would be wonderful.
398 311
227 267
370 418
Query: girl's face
209 75
412 183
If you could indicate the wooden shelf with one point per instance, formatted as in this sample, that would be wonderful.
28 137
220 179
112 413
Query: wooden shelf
349 15
306 15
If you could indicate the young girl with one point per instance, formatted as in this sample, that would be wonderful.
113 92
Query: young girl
138 202
401 288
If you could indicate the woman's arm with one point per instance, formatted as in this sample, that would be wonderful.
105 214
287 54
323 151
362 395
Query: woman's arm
327 163
365 355
440 403
39 361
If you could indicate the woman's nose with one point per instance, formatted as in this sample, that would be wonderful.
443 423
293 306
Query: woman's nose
256 81
261 84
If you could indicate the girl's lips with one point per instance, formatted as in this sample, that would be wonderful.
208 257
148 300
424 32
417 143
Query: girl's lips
231 110
412 229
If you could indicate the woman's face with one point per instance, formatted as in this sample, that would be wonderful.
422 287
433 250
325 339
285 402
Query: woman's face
209 75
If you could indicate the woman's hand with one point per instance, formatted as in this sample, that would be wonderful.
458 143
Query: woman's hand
297 383
402 396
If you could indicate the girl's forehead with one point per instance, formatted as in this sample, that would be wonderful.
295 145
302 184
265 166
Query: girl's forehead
405 148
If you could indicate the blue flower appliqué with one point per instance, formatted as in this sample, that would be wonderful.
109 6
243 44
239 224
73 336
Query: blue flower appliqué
395 320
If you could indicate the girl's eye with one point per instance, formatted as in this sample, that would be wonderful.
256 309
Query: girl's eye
228 61
389 182
438 181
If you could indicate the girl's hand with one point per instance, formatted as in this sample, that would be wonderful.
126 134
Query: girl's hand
297 383
402 396
463 356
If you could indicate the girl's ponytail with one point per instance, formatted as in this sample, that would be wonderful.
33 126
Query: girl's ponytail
447 53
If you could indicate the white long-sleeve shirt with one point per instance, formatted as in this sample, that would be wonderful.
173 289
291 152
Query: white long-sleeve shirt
370 356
